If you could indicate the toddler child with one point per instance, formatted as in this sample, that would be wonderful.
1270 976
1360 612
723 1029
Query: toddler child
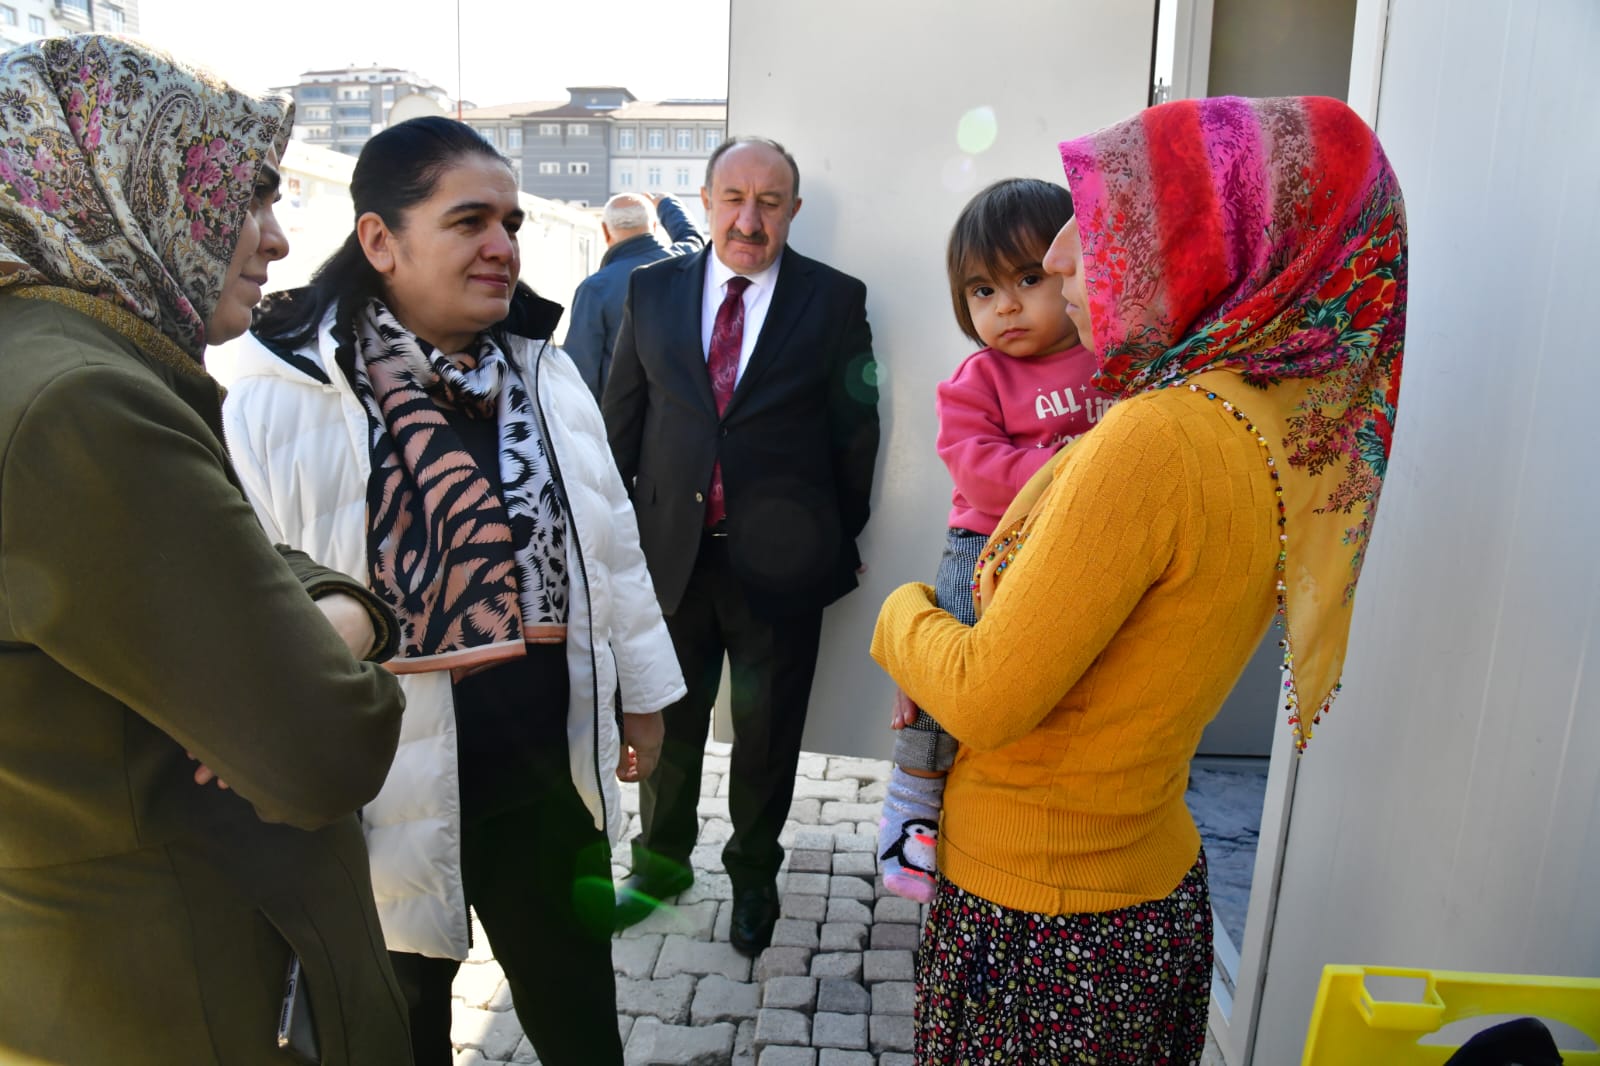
1004 412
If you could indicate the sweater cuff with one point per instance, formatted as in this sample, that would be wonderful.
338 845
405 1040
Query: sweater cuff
386 630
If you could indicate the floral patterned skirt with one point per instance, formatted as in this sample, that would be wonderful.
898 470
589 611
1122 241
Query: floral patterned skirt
998 986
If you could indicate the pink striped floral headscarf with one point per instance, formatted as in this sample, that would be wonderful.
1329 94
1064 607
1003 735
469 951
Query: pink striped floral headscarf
1255 251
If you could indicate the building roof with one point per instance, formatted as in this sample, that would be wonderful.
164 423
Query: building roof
353 73
526 107
633 111
372 69
702 110
567 110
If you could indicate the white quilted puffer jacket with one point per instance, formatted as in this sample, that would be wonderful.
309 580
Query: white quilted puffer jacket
298 437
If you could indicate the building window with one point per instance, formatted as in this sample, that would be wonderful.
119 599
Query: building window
35 24
549 129
388 94
356 131
712 139
113 19
625 139
653 177
514 139
578 129
8 15
549 168
577 168
355 111
683 177
686 140
625 179
491 134
655 140
314 92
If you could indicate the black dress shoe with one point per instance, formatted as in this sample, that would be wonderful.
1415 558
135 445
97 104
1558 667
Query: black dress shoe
755 911
641 895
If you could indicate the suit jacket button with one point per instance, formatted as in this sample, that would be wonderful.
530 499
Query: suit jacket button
724 431
699 497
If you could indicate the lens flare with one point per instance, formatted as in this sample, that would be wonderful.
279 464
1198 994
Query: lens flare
977 130
959 173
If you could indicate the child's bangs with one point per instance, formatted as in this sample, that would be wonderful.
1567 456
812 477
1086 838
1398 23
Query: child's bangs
1010 248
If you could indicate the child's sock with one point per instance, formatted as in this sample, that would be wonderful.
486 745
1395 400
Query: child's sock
908 833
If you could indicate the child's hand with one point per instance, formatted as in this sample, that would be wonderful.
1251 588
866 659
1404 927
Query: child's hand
905 712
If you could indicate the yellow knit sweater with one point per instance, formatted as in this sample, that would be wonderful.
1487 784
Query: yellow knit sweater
1146 583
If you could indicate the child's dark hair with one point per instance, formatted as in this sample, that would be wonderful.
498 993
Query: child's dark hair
396 170
1008 225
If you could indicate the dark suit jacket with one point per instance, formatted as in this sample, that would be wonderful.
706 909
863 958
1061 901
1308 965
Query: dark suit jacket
798 441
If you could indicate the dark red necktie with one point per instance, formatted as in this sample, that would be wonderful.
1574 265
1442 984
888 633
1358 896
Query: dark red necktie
722 363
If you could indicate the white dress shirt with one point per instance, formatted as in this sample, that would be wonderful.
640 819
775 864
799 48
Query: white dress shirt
757 299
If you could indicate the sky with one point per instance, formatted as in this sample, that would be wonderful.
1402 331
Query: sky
511 50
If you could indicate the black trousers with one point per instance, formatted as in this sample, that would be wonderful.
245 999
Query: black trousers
539 877
771 662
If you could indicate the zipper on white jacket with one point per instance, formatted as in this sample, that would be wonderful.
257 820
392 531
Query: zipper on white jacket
583 576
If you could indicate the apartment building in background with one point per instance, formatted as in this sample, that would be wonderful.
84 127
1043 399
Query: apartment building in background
602 140
22 21
502 126
341 109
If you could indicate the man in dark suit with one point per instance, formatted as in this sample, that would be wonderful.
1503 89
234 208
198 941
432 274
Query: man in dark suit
742 410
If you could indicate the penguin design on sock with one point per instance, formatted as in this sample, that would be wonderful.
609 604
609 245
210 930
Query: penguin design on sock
910 860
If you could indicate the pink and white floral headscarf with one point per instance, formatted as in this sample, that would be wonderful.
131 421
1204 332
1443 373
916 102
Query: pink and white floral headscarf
126 176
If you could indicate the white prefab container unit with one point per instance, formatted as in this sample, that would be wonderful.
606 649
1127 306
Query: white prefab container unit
1447 815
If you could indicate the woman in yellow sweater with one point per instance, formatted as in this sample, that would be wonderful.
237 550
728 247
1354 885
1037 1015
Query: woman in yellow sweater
1238 266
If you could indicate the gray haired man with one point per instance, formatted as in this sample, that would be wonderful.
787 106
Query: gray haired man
629 225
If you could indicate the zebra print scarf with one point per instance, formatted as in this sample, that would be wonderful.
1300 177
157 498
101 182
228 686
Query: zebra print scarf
473 574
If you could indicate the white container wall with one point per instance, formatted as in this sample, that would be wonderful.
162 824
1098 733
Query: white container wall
897 114
1447 815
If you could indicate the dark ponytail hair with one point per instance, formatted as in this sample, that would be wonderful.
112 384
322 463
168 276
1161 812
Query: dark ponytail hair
396 170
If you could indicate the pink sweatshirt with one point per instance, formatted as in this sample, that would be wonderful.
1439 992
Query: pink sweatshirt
1001 418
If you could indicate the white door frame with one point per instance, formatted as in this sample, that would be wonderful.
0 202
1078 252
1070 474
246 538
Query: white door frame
1366 58
1191 50
1233 1016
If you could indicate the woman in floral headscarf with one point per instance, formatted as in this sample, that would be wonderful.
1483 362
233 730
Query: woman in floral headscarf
149 914
1238 266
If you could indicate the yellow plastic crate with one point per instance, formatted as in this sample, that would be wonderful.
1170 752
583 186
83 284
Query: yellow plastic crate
1351 1028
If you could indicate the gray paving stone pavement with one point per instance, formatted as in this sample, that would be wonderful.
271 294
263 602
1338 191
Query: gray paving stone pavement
834 989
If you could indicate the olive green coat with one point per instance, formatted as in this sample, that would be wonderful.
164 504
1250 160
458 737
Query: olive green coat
143 613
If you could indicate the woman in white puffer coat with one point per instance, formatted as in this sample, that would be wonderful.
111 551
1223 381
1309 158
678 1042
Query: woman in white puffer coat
406 420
